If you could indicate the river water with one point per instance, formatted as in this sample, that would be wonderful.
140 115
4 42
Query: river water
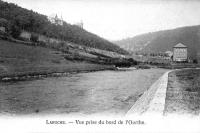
99 92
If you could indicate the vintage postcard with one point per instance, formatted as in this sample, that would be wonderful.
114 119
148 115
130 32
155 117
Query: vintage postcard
99 66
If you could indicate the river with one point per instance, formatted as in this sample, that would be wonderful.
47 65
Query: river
102 92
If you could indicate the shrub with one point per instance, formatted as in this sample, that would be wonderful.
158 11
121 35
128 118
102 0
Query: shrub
34 37
134 62
195 61
15 31
43 44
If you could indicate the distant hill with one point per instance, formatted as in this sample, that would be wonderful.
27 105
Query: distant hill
16 19
162 41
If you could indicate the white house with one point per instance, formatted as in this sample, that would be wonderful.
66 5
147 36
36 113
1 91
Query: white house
180 53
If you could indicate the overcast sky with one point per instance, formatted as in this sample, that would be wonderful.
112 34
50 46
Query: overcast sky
118 19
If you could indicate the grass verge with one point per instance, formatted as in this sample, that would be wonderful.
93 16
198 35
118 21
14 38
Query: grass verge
183 92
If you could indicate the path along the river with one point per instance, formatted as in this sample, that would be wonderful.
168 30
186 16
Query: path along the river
153 100
169 93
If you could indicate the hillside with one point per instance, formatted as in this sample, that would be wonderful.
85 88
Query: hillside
19 59
16 19
162 41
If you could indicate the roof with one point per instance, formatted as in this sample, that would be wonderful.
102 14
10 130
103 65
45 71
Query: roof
168 52
180 45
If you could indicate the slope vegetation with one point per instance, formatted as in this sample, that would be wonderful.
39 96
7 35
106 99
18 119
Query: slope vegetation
16 19
162 41
19 59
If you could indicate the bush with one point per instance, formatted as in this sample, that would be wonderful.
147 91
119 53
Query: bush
23 39
134 62
144 67
43 44
195 61
34 37
4 23
15 31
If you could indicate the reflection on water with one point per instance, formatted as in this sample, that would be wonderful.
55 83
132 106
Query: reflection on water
86 93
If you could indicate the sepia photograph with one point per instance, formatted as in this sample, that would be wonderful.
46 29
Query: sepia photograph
99 66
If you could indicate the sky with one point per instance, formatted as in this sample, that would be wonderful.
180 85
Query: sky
119 19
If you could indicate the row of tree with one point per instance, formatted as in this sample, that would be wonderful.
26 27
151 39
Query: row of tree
17 19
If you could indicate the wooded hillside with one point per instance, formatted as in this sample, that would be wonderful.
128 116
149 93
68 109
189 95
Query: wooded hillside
16 19
163 41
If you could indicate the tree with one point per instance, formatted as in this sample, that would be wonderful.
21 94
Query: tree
195 61
4 23
34 37
15 31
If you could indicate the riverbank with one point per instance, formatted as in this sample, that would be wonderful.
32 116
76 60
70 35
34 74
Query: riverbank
153 99
56 72
21 62
183 92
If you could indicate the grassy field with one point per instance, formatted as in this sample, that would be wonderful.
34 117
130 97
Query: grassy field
183 93
19 59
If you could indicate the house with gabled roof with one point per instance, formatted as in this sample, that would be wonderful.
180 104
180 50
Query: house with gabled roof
180 53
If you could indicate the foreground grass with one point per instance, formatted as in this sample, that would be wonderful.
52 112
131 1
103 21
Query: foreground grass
183 93
18 59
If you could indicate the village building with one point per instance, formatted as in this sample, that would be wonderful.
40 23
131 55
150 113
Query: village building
25 35
3 25
53 40
42 38
180 53
2 29
169 53
80 24
56 20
